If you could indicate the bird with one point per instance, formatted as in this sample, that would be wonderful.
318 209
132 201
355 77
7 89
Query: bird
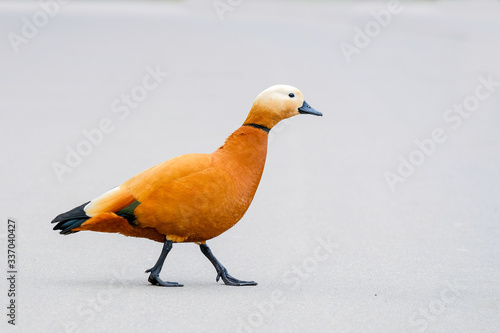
192 198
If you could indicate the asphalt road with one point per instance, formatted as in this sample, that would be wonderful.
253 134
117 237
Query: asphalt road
381 216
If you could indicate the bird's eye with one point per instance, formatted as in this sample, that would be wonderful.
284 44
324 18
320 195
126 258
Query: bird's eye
292 95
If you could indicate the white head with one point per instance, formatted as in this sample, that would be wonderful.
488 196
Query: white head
277 103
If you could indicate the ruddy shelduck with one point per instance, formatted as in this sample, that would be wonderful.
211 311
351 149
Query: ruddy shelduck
193 197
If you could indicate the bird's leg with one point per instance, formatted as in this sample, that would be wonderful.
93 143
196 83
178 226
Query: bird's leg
222 271
154 277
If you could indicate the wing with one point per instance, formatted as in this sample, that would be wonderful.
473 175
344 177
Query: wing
143 184
111 201
125 198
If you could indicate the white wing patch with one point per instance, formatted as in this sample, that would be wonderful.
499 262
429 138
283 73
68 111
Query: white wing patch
95 206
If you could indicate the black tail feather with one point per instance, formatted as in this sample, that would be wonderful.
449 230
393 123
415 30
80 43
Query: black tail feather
70 220
68 226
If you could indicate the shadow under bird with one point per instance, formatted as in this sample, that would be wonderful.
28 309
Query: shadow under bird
193 197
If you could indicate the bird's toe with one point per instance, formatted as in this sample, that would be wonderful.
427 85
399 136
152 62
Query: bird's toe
232 281
155 280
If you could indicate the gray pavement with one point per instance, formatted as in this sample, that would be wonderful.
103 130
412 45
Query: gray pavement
381 216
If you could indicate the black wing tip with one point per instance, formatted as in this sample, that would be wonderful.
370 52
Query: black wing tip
70 220
76 212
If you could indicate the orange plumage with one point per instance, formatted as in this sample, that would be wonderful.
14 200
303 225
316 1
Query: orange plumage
193 197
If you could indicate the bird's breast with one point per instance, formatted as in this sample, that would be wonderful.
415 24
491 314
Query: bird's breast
204 204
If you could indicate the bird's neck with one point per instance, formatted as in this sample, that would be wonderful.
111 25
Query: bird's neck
243 154
262 115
